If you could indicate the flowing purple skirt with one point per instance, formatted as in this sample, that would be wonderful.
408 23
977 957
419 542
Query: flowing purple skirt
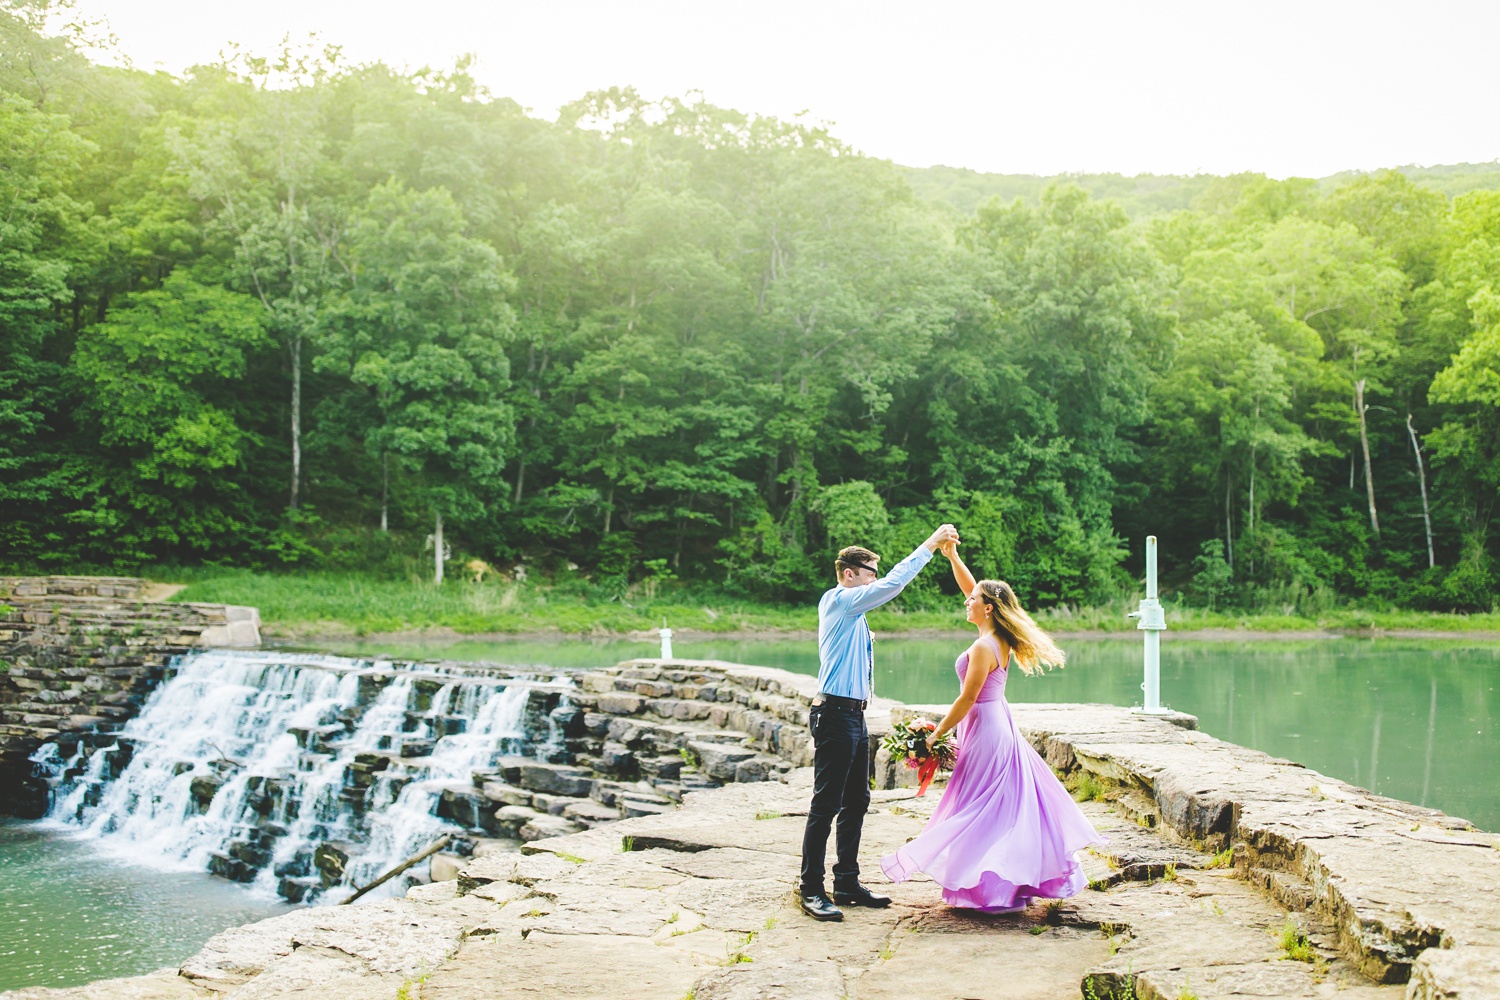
1006 831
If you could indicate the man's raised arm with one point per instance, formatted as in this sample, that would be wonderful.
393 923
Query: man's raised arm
858 600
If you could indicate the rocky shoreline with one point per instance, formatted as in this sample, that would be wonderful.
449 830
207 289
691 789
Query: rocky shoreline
1228 873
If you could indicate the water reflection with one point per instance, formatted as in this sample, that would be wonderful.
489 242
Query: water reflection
1327 704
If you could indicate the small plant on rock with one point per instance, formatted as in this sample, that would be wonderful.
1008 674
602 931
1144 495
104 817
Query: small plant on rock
1170 874
1084 786
1295 944
690 760
1224 859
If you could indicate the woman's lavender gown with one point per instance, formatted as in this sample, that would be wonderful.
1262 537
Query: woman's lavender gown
1006 830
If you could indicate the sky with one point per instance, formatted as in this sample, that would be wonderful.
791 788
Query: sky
1304 88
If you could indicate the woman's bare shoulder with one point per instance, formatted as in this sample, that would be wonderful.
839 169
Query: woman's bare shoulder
983 652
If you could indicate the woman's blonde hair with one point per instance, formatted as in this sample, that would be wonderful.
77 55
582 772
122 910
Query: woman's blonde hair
1034 648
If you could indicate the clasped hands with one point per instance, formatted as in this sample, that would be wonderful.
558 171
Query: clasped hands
944 538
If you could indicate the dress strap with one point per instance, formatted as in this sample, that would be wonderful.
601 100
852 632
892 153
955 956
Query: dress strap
1000 654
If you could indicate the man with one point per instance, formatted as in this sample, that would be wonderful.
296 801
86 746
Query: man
841 744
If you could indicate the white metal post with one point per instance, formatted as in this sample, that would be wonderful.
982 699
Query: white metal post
666 640
1151 619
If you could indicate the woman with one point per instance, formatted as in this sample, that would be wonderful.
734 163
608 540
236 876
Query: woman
1006 831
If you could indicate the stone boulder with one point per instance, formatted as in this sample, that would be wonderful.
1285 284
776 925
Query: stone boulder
445 867
512 818
719 760
557 779
543 827
1460 973
590 814
468 807
503 794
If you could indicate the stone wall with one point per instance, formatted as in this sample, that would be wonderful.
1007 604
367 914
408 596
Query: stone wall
78 656
637 738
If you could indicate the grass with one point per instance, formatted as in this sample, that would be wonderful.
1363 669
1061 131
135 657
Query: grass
767 814
1170 874
343 603
1224 859
1084 786
1125 992
1294 943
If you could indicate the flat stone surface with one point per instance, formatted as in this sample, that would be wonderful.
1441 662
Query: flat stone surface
552 966
164 984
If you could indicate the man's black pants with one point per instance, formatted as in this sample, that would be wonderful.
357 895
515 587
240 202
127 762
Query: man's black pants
841 787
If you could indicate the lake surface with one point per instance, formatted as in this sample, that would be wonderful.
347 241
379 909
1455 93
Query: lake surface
71 914
1415 720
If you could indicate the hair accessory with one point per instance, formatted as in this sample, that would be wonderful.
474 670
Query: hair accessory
855 565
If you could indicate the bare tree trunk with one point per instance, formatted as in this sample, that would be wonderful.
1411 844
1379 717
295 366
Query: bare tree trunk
1360 409
520 479
1228 522
437 547
609 508
385 491
1422 481
296 351
1250 505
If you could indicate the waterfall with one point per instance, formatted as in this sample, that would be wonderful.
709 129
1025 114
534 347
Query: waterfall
260 766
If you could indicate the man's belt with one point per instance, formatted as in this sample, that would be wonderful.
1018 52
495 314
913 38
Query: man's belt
838 701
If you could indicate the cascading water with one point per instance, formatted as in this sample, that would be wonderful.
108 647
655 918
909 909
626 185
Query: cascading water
260 766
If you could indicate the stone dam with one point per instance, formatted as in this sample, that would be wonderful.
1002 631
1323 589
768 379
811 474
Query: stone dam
633 831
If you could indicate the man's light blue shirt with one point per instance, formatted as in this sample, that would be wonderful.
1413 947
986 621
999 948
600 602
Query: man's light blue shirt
846 652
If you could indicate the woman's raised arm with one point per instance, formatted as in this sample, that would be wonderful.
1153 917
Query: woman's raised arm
961 572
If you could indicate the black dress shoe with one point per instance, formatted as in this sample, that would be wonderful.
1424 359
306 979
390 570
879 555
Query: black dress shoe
859 896
818 907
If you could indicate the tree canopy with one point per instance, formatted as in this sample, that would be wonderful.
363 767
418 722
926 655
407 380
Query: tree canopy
285 311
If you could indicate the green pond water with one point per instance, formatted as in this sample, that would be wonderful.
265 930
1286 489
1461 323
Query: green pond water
1413 720
69 915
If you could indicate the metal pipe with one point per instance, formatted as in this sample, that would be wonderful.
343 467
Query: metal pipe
1151 619
1150 567
1153 672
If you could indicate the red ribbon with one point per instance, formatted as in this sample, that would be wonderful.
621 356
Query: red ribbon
926 771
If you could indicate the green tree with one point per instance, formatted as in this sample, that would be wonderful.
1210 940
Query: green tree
422 329
158 377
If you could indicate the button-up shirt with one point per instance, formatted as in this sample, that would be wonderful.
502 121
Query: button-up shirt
846 652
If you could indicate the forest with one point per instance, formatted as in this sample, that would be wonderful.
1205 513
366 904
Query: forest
293 313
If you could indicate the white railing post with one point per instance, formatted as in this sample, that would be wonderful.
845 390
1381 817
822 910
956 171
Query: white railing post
1152 620
666 640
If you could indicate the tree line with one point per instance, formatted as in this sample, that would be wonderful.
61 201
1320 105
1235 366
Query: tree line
299 312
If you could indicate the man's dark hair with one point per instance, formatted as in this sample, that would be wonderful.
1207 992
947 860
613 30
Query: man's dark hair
854 557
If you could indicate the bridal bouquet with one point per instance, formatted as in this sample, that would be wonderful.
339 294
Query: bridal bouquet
908 741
